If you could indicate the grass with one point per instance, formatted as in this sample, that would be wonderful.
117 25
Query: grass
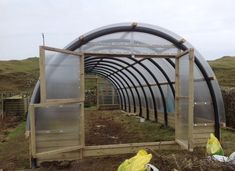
224 69
17 131
14 153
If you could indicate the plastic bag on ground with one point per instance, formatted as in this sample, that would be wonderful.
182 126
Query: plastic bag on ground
136 163
151 167
231 158
220 158
213 146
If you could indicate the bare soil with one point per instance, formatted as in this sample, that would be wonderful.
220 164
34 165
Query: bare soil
111 127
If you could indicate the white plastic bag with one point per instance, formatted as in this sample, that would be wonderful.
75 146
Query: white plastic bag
151 167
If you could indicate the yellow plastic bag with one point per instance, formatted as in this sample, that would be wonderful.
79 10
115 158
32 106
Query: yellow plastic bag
136 163
213 146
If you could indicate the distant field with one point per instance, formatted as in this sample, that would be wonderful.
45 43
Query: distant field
224 69
21 75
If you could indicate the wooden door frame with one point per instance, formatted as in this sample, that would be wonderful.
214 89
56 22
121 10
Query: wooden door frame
99 150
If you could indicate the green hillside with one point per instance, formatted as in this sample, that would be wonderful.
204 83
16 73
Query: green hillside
224 69
18 75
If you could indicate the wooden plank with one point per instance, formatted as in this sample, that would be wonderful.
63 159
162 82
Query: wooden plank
42 74
191 99
82 79
32 129
180 54
182 144
53 152
177 94
73 155
142 55
61 50
82 116
103 150
87 54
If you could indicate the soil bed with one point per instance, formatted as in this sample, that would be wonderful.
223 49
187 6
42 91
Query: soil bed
112 127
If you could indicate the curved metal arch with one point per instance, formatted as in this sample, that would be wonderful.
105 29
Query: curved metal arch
150 88
160 89
127 94
134 86
133 97
111 62
141 75
149 59
163 72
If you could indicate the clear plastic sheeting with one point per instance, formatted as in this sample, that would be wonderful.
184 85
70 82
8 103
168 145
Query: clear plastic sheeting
57 126
183 98
62 75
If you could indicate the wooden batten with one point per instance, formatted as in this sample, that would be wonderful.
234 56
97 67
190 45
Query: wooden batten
73 153
191 99
42 78
32 130
103 150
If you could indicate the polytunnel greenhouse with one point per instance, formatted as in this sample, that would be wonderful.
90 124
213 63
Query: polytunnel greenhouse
155 73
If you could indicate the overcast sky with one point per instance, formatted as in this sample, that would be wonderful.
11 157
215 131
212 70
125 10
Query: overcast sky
209 25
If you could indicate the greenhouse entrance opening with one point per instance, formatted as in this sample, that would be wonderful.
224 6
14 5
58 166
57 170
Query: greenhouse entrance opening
60 135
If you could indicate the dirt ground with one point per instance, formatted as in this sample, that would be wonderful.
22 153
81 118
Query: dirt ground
108 127
163 160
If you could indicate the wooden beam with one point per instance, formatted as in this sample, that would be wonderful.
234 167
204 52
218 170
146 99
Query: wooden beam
182 144
191 99
32 129
87 54
82 116
103 150
156 55
177 99
42 74
181 53
53 152
61 50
